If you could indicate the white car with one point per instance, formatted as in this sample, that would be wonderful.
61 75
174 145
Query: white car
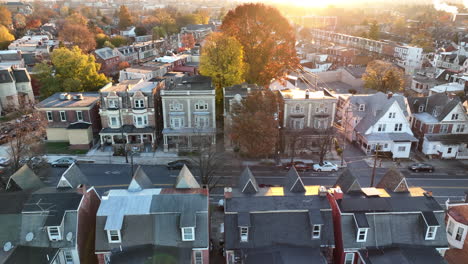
326 166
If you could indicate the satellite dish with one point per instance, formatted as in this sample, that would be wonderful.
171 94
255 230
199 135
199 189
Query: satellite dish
7 247
69 236
29 236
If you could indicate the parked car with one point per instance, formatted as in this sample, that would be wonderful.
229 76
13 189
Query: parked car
178 164
299 165
32 162
63 162
416 167
4 161
325 166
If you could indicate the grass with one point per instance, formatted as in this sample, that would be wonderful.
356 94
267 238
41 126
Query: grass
62 148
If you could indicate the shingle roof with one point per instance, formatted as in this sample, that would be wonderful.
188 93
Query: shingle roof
21 75
25 179
403 255
72 177
348 182
37 255
6 76
284 254
440 102
151 254
394 181
185 179
247 182
140 181
293 182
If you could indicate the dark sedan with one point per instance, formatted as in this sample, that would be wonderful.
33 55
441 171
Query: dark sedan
178 164
421 167
299 165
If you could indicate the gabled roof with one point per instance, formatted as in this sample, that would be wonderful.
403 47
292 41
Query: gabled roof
21 75
140 181
394 181
247 182
293 182
439 103
348 182
403 255
25 179
72 178
185 180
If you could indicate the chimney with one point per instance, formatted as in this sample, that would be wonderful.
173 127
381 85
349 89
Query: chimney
428 194
227 192
244 85
307 94
323 191
451 96
389 95
337 193
81 189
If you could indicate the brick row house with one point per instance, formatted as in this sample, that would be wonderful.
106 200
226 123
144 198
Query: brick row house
72 118
129 112
440 122
109 60
15 89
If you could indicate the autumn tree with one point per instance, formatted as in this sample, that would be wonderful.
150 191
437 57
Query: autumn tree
255 128
188 41
158 32
118 41
5 37
79 35
125 19
71 71
167 21
33 23
203 16
207 161
423 40
76 19
374 31
222 60
267 39
383 76
19 21
140 31
101 39
5 16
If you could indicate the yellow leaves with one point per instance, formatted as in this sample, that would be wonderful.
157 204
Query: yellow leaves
5 37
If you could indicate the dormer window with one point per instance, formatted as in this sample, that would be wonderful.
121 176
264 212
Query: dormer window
54 233
459 234
454 116
362 107
114 236
139 103
201 105
431 232
188 233
113 103
362 234
244 234
432 224
421 109
316 230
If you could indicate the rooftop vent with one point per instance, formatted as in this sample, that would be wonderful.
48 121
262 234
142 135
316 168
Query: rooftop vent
78 97
65 96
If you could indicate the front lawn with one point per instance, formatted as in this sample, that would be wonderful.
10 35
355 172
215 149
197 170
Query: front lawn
62 148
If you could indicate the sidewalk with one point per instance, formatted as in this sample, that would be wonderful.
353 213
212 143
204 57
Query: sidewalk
437 163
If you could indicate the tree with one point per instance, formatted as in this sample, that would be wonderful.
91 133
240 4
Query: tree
255 125
33 23
222 60
159 32
118 41
101 39
108 44
188 41
123 65
207 161
374 31
383 76
325 141
72 71
203 16
5 37
423 40
140 31
125 19
267 39
76 19
187 20
79 35
19 21
5 16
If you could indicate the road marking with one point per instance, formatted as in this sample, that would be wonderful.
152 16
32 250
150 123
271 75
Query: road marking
126 185
112 172
438 174
449 196
444 187
436 179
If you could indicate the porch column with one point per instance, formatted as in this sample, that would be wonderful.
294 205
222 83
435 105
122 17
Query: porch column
112 139
165 143
141 138
126 138
102 141
213 140
189 142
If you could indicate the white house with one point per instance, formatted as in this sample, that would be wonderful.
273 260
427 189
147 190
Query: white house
378 120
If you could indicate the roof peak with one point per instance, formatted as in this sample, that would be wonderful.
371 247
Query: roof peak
293 182
140 181
186 180
394 181
247 182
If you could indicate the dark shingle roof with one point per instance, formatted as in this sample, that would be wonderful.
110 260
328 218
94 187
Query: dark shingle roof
25 179
79 125
5 76
73 177
389 204
394 181
37 255
151 254
284 254
185 179
348 182
247 182
293 182
13 202
21 75
140 181
403 255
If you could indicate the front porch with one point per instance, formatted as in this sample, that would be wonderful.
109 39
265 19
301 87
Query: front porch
144 142
398 144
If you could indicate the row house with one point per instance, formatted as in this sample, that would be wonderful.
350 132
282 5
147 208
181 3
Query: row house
457 231
189 113
140 52
11 59
15 89
405 56
109 60
146 71
38 44
452 61
48 225
143 224
129 112
292 223
389 223
306 116
342 56
424 80
440 122
72 118
199 32
377 122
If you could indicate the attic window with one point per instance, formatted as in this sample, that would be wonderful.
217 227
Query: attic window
244 234
316 230
459 234
421 108
188 233
114 236
362 107
54 233
431 232
362 234
432 224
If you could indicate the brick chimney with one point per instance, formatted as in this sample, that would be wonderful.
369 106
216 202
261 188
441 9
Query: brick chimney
389 95
81 189
307 94
337 193
227 192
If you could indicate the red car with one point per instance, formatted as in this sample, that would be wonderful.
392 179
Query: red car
299 165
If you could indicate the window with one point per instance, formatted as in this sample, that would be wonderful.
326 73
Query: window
114 121
298 109
175 106
198 257
431 232
460 232
79 115
362 235
188 233
391 115
316 231
430 129
349 258
443 128
385 145
201 105
50 117
362 107
382 127
460 128
54 233
113 103
68 256
177 122
140 121
401 148
454 116
139 103
63 116
297 123
450 228
202 121
320 123
320 108
421 108
244 234
114 236
398 127
449 150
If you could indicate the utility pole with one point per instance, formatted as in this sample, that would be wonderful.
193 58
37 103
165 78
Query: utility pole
375 164
344 122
